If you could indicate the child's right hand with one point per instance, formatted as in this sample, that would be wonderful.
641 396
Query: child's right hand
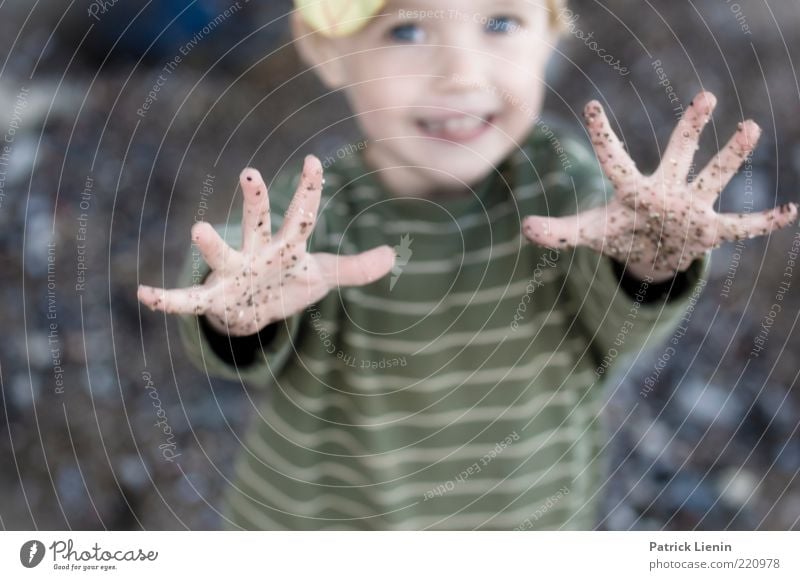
270 278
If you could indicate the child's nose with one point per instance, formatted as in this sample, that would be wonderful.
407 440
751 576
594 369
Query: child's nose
463 70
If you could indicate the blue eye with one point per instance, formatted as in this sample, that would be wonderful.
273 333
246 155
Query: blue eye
407 33
503 25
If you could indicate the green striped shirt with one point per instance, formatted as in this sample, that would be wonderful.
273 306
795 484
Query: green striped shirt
463 390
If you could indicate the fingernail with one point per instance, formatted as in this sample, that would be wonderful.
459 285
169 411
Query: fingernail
706 99
248 174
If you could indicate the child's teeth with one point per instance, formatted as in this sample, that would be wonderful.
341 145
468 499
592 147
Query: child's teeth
456 124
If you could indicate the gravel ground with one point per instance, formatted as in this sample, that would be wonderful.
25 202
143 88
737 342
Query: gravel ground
94 189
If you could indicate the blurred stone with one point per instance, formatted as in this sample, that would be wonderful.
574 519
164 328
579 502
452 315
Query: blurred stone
70 488
707 403
25 389
132 471
736 486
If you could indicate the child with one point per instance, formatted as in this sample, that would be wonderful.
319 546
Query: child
455 381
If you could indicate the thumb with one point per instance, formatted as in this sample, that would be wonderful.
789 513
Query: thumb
549 232
587 228
357 270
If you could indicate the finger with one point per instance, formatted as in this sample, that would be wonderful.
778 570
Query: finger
212 247
178 301
733 227
302 213
720 170
584 229
356 270
256 230
615 161
683 143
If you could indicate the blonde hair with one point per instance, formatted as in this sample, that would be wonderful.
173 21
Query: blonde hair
555 7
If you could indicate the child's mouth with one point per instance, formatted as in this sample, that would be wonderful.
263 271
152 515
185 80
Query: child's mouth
459 128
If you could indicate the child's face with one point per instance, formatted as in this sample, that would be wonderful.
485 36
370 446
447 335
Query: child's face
445 88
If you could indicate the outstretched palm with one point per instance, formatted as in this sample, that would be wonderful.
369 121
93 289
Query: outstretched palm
270 278
658 224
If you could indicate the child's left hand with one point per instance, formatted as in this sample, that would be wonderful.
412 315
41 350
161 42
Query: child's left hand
659 224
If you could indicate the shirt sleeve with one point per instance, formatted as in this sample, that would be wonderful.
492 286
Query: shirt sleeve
618 322
255 360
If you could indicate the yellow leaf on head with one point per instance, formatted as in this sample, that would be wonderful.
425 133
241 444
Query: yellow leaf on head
336 18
